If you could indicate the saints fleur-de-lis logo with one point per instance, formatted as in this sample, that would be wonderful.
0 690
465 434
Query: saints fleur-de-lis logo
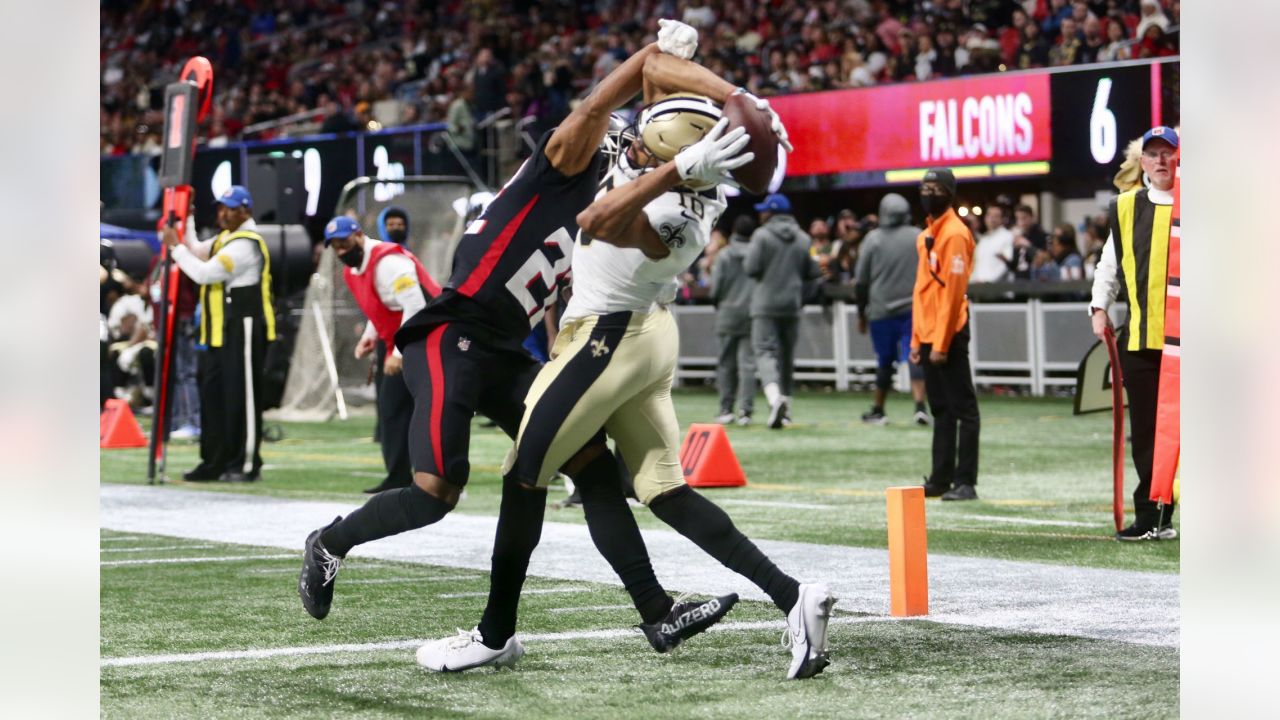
598 348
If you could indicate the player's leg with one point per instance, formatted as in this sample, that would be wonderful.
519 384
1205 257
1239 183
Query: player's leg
648 436
566 404
443 382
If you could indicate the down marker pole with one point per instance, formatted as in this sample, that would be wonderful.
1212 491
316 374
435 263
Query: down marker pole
908 552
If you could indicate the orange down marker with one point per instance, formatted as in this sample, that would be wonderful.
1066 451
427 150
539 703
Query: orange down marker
908 552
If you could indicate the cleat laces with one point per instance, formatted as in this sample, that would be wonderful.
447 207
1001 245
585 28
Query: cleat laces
328 563
462 640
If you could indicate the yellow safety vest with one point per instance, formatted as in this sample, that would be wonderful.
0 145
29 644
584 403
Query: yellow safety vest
1141 229
213 297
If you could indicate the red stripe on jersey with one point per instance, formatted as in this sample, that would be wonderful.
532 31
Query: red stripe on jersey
490 260
435 368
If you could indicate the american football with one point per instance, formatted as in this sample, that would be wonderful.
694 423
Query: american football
755 175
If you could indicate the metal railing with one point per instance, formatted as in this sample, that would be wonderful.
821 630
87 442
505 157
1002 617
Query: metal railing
1034 344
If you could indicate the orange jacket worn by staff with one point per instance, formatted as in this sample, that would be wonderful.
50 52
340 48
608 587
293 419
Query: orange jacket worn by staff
939 308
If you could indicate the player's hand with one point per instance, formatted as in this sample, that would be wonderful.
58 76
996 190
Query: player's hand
1101 321
707 161
862 325
776 122
365 346
676 38
913 357
392 364
937 358
169 236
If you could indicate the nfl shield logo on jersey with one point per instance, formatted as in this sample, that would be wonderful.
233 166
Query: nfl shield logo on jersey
464 344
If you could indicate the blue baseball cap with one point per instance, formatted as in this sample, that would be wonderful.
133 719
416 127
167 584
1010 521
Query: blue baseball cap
1162 132
339 227
236 196
774 202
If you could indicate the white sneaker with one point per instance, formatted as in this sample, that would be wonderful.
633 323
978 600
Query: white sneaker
922 418
465 651
806 633
724 418
186 432
780 412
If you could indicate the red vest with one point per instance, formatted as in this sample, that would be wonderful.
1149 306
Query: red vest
385 320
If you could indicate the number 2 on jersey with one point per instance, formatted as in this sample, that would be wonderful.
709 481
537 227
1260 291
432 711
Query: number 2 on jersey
550 266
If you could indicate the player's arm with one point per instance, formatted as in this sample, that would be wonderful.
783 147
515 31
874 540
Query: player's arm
666 74
574 142
618 217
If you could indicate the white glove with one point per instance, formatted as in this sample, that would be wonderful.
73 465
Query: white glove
707 161
778 128
676 38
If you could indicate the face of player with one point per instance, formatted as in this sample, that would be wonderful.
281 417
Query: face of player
1157 163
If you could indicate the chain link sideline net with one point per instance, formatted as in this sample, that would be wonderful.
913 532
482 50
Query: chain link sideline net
331 321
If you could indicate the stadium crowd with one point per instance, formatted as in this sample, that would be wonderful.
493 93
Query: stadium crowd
350 64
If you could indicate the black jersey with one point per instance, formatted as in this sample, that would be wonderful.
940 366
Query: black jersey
512 261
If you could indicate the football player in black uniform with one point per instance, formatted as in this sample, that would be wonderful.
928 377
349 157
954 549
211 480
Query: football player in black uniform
463 355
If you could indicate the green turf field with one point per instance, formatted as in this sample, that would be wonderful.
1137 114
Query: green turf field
1045 489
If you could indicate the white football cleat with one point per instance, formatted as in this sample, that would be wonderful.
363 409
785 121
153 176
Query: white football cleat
806 633
465 651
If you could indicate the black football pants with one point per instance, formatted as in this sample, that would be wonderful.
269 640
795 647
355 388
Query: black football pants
954 404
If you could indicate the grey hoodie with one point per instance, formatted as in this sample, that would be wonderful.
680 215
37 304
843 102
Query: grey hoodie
731 288
886 270
778 259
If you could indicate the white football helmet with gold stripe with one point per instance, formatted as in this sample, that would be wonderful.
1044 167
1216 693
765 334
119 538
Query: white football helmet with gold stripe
674 123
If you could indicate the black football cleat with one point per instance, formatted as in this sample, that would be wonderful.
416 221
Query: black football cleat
201 473
686 619
319 569
932 489
961 491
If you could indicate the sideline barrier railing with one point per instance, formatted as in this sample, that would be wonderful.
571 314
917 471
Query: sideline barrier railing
1033 344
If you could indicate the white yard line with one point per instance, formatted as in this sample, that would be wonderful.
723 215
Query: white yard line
1027 521
589 608
264 653
124 538
179 561
541 591
389 581
157 548
1012 596
772 504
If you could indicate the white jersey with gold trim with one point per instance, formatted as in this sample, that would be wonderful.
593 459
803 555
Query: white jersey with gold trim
609 279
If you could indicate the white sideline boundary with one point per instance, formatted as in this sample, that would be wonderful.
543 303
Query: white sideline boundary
1011 596
267 653
157 548
181 561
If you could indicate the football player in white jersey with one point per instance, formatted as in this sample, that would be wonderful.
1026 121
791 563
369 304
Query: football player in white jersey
614 359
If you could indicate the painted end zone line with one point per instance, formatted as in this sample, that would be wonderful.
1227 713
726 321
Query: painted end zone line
174 561
413 644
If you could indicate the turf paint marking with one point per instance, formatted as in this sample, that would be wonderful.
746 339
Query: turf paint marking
265 653
1029 521
158 548
772 504
589 608
175 561
1015 596
541 591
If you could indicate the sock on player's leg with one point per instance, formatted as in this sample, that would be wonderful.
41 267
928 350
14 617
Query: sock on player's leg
388 513
617 537
519 530
703 522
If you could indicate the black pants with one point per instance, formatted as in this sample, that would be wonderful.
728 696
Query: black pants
231 396
954 404
379 357
1142 383
395 410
